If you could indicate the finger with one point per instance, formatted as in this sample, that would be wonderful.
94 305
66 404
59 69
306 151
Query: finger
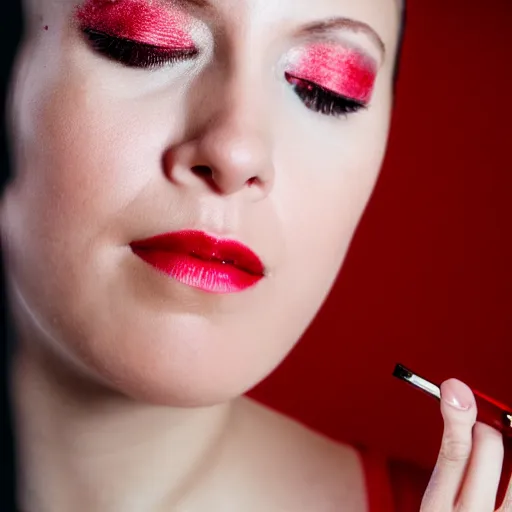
458 408
480 486
506 505
505 487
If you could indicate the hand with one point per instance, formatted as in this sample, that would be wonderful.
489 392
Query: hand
468 469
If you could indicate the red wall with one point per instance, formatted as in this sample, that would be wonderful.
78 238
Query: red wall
428 281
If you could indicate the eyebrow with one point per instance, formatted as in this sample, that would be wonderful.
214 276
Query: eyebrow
334 24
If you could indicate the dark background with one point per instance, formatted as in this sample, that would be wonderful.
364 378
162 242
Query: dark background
428 281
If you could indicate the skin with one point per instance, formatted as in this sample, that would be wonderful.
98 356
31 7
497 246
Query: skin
114 165
116 364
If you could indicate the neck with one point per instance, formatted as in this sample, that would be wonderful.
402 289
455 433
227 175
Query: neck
81 447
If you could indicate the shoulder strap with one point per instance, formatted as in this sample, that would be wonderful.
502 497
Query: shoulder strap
409 483
378 484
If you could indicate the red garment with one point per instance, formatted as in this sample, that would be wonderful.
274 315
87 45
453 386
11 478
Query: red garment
393 486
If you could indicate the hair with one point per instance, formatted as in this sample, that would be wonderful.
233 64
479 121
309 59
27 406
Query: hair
11 34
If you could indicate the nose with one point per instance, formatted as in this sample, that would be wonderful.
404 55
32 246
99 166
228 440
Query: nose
231 152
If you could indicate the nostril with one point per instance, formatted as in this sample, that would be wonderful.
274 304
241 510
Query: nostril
224 182
202 170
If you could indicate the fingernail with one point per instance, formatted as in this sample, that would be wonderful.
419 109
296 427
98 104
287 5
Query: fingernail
456 394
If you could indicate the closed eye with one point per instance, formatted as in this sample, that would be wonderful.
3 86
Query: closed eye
134 54
321 100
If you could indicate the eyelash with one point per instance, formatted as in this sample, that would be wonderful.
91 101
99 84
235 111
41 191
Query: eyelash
134 54
139 55
321 100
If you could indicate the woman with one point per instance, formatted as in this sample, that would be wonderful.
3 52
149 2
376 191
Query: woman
167 241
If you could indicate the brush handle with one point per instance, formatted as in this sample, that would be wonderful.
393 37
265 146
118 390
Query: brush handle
493 413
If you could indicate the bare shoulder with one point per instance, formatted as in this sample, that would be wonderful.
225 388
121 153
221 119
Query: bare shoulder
299 469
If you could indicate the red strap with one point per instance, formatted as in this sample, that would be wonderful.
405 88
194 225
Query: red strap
378 485
393 485
409 483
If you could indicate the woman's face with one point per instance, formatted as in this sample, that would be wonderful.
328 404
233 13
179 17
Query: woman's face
248 120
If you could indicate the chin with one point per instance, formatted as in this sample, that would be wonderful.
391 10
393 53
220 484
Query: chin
182 370
191 385
163 352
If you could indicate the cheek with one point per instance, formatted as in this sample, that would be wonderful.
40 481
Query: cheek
82 161
322 229
321 202
77 170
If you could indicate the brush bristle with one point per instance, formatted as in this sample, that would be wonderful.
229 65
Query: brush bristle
401 372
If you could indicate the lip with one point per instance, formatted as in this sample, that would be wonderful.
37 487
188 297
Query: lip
202 261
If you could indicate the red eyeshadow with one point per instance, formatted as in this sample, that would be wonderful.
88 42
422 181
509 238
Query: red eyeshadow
144 21
343 71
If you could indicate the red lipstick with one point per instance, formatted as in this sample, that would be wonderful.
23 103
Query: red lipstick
144 21
490 411
344 71
202 261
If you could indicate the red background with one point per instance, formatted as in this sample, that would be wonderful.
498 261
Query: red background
428 281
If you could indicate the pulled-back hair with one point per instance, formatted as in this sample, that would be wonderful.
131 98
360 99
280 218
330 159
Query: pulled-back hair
11 32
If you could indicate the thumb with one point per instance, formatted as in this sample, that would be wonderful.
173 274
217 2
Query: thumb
458 409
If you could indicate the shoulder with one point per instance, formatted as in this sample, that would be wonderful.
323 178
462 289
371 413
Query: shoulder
298 467
306 471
